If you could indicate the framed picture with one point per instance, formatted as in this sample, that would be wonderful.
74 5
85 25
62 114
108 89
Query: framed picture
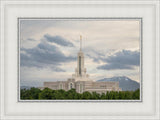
80 60
115 72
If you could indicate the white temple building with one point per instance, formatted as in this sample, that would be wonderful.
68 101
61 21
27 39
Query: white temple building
81 81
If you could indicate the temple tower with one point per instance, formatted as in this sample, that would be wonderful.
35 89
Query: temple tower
80 71
80 61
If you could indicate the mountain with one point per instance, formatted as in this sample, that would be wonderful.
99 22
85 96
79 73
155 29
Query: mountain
25 87
124 82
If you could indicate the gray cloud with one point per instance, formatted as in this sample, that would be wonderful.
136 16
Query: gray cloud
95 55
44 55
58 40
124 59
96 59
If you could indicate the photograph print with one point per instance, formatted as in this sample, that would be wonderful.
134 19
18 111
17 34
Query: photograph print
79 59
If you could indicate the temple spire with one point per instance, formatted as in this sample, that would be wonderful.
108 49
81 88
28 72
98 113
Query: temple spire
80 42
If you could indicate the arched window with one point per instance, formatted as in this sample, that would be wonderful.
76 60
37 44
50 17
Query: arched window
81 88
71 85
61 86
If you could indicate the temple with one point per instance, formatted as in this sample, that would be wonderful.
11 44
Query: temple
80 71
81 81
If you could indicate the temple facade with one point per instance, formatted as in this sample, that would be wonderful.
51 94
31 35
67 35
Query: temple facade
80 80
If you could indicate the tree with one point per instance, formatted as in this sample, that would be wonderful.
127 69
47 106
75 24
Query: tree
103 96
25 94
110 96
136 94
128 95
86 95
58 94
46 93
34 93
95 95
107 95
121 95
116 95
71 94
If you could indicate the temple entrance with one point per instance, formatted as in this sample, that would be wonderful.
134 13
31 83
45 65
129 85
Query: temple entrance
71 85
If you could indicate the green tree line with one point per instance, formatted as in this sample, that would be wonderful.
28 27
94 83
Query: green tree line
49 94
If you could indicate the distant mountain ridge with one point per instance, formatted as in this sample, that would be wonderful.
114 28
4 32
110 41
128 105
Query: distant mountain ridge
25 87
124 82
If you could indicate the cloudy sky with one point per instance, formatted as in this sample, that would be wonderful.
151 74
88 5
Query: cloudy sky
48 49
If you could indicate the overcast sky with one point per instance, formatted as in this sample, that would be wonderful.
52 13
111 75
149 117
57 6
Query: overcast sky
49 49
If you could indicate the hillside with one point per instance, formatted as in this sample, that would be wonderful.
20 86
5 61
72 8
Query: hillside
124 82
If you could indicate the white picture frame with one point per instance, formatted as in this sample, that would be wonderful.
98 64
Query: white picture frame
147 109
